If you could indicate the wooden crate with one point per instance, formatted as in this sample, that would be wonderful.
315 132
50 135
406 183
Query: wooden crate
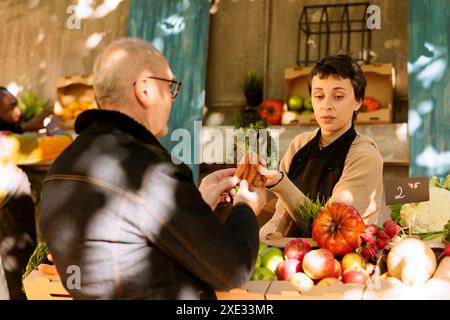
380 85
41 286
73 89
284 290
252 290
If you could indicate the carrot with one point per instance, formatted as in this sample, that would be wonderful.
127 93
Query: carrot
47 269
245 173
253 170
239 171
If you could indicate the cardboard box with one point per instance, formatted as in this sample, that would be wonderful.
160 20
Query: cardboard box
41 286
71 89
380 85
252 290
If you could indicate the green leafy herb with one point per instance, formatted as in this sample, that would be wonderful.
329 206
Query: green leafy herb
39 256
395 212
305 215
31 105
252 81
445 234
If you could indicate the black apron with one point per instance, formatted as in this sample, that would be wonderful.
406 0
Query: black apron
315 172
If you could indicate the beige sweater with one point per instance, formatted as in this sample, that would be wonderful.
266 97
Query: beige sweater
360 186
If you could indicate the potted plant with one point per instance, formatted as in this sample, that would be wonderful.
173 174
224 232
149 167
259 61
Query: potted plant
253 87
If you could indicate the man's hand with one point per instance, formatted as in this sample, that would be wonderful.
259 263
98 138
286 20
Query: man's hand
37 122
218 186
255 200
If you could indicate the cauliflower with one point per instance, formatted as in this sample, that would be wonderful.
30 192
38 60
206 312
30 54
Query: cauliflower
427 216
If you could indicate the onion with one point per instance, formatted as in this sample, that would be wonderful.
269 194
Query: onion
411 261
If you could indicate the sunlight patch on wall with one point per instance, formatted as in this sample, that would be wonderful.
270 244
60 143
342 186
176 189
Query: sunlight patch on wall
172 25
14 88
436 162
425 107
402 133
432 73
94 40
414 121
106 8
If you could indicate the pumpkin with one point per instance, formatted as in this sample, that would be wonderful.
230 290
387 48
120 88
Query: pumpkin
337 228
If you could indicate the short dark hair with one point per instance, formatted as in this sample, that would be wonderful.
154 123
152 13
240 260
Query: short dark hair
345 67
3 90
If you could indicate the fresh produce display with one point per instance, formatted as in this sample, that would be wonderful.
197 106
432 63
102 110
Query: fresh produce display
377 238
300 105
318 264
296 249
72 110
412 261
287 268
271 257
428 216
295 103
271 111
370 104
338 228
302 281
359 276
308 104
31 105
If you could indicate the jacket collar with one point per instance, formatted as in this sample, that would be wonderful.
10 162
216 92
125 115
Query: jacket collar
115 119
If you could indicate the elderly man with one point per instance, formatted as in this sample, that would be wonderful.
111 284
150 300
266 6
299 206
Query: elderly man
121 217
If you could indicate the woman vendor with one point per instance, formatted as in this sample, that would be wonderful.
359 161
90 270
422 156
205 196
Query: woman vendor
334 161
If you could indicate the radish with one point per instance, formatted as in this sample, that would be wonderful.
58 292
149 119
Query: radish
391 228
381 244
372 228
382 235
367 237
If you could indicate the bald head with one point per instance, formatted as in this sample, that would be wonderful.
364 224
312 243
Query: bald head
119 65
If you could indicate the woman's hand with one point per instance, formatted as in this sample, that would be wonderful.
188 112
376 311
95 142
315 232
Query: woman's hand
218 186
271 177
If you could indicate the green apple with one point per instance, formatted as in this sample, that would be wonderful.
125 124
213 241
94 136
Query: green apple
262 246
271 257
307 104
258 262
262 274
306 112
295 103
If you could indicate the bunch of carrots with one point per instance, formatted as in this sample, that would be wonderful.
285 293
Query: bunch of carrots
249 169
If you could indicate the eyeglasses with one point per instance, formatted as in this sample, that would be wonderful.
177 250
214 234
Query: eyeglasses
174 88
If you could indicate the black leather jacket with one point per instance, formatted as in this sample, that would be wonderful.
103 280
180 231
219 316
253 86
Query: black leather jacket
114 205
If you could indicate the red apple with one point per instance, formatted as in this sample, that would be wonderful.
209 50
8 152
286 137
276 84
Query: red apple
337 270
353 261
302 281
329 281
287 268
359 276
296 249
318 264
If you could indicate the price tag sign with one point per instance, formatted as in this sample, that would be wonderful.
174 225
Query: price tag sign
406 190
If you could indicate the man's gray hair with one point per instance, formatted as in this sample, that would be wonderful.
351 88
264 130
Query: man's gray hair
117 67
